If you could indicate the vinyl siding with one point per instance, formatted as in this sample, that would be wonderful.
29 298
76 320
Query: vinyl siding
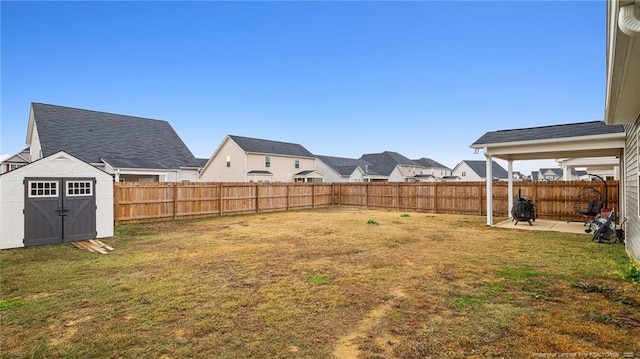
632 228
217 171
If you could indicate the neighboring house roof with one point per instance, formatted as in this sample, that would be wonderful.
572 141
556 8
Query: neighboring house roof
23 156
429 163
91 136
342 165
259 172
202 161
480 168
548 132
559 172
304 173
256 145
384 163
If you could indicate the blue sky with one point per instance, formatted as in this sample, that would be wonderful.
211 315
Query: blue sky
424 79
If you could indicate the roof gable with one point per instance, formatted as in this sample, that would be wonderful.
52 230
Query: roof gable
342 165
92 136
480 168
385 162
256 145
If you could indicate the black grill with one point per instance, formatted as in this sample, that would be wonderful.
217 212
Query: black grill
523 210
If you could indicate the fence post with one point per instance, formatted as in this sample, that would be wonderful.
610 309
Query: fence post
480 195
313 195
257 198
287 197
221 199
116 203
175 201
366 195
398 196
435 197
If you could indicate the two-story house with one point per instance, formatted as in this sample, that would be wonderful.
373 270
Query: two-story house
246 159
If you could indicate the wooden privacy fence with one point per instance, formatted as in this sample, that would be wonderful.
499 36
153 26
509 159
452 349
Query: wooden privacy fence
141 202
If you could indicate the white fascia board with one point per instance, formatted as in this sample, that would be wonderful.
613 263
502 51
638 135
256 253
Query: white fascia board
589 161
553 141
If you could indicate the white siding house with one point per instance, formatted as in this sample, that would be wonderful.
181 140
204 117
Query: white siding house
470 170
245 159
341 169
622 106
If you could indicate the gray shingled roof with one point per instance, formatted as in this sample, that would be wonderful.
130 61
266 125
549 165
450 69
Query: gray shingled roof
480 168
344 166
429 163
133 142
259 172
385 162
548 132
256 145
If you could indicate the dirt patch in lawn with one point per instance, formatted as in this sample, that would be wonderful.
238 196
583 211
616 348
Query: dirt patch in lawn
321 284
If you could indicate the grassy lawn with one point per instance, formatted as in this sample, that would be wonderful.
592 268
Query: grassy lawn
339 282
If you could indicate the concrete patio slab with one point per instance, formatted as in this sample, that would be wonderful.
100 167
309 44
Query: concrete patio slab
545 225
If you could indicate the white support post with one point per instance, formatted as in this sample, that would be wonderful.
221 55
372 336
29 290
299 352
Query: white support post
510 187
489 189
566 171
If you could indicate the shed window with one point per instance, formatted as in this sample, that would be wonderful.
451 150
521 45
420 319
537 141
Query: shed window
267 161
39 189
79 188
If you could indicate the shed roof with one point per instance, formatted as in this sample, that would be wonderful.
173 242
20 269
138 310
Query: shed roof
93 135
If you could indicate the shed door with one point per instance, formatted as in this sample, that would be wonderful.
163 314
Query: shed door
79 205
59 210
42 210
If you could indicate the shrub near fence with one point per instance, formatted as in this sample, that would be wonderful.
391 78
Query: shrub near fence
140 202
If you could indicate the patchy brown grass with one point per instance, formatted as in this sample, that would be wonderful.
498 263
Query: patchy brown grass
320 284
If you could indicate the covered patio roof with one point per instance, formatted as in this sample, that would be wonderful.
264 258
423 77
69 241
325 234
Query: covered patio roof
573 140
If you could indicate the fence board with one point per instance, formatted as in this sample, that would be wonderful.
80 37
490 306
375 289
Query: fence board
136 202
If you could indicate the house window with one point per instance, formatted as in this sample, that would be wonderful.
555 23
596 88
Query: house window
464 174
79 188
297 164
267 161
228 161
39 189
13 166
